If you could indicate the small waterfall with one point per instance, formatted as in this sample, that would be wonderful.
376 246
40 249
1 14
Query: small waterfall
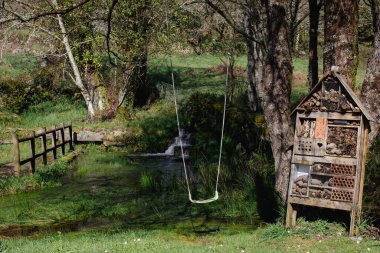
185 138
171 150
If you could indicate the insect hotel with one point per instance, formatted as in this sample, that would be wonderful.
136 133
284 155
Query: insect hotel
330 146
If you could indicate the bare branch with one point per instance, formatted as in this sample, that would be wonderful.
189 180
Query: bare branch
18 17
231 22
109 28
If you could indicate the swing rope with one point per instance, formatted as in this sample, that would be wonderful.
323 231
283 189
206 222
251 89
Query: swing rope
216 196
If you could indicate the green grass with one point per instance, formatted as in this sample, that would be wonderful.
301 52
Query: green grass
17 65
227 240
101 206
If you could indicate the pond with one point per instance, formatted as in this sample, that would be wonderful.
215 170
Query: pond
111 189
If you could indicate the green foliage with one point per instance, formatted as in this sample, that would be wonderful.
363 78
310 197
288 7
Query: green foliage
304 230
53 172
14 66
45 177
152 130
15 95
151 180
371 196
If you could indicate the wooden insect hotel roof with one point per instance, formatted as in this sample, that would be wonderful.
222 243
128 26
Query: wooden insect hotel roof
330 146
358 105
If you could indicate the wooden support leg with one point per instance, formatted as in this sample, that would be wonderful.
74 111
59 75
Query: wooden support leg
353 229
291 216
289 212
294 217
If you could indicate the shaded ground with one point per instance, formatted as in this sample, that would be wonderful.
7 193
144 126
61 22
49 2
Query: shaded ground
106 205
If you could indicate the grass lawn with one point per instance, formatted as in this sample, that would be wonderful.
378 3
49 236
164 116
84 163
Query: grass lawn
112 203
170 241
104 205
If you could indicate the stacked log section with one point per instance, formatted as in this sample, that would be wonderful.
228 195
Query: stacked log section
321 168
320 193
342 141
313 103
331 100
300 185
321 181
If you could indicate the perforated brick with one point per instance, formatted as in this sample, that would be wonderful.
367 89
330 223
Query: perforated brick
342 195
343 169
343 182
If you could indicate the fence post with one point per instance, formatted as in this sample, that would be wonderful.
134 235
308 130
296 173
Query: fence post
43 145
71 135
16 154
33 152
54 141
63 138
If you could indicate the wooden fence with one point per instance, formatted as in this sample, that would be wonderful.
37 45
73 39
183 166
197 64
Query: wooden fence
58 141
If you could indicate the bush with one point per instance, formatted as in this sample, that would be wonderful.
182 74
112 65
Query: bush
15 95
371 194
53 172
48 176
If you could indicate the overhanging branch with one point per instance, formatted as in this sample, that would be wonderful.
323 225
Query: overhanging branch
18 17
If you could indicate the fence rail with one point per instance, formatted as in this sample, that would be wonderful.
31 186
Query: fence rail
58 141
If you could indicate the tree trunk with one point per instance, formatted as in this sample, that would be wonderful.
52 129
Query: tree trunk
77 76
371 83
277 88
314 8
251 66
293 13
341 38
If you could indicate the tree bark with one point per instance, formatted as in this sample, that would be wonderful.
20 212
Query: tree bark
277 88
77 76
341 38
371 83
253 98
314 8
293 13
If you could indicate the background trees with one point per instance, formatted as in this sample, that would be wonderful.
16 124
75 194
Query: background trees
108 43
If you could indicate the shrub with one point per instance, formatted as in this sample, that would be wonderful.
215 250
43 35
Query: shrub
46 177
53 172
371 204
15 95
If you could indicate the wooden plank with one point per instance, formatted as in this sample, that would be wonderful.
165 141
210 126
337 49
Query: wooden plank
44 146
331 115
62 130
71 136
326 203
361 175
16 154
289 212
54 142
294 217
33 152
326 159
24 139
6 142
